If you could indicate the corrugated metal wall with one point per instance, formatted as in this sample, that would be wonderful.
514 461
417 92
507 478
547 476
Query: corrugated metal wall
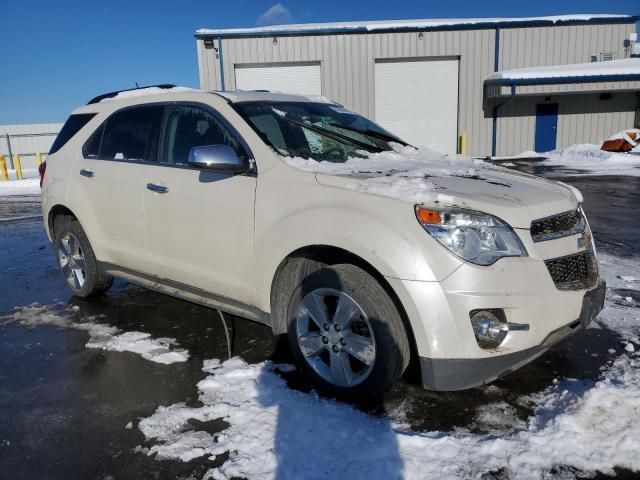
582 118
541 46
348 63
26 140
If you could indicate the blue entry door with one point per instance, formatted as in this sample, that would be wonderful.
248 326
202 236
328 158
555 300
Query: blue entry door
546 126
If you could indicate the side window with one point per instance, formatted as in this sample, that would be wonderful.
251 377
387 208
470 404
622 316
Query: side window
72 126
91 148
132 134
188 126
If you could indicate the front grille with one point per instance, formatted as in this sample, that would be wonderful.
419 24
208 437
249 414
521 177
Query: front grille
574 272
556 226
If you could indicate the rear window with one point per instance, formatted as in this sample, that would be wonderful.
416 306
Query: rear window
131 134
72 126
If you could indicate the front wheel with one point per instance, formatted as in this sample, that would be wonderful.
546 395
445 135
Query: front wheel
346 332
77 261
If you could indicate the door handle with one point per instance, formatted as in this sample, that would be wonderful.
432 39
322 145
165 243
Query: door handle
157 188
86 173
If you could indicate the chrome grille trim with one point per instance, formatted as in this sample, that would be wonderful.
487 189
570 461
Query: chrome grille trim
557 226
574 272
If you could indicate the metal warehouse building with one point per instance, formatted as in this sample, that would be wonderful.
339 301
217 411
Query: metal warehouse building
430 81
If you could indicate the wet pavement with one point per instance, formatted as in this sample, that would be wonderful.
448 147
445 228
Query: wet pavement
64 408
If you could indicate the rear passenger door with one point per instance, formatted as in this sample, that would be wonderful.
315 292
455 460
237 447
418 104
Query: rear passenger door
200 223
109 184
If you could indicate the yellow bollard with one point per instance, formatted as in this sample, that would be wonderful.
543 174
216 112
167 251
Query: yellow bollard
18 165
3 168
463 144
38 159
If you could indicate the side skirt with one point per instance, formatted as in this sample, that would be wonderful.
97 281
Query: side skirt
188 293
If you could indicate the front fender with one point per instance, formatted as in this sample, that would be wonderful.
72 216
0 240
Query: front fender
291 215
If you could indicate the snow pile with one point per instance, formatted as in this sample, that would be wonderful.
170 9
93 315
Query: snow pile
145 91
593 161
29 186
403 172
626 66
276 432
106 337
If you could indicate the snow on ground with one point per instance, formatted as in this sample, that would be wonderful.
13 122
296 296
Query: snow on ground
590 160
277 432
106 337
29 186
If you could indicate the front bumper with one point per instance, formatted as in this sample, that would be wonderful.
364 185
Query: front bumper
449 374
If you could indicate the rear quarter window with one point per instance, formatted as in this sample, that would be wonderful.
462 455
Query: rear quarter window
72 126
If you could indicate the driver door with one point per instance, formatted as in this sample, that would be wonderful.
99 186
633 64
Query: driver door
200 224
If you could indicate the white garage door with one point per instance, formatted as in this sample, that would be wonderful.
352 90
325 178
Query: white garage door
418 101
301 79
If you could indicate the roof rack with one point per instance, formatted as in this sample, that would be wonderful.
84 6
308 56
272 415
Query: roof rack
113 94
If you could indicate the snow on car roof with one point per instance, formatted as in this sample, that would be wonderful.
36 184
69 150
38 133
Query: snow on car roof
237 96
422 24
143 92
611 68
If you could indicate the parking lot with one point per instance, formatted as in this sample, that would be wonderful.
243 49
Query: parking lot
68 411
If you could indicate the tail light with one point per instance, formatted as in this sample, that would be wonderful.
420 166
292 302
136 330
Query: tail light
41 170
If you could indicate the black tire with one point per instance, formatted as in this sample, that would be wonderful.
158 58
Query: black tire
95 280
392 351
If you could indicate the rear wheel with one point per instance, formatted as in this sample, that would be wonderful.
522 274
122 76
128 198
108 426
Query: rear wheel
346 332
76 259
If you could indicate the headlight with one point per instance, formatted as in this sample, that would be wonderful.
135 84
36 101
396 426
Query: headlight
477 237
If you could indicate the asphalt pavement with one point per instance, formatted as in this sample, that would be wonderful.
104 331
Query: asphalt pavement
64 409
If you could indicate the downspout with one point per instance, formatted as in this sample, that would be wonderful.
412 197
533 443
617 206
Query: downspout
496 67
221 64
495 118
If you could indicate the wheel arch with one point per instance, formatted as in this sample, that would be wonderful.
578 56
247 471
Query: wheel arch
305 260
55 212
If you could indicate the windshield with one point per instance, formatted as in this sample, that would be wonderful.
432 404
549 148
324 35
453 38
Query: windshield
320 131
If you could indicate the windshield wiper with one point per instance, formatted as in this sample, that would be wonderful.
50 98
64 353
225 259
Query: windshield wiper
370 133
344 139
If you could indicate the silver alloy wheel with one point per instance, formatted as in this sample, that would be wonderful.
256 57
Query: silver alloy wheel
335 337
72 262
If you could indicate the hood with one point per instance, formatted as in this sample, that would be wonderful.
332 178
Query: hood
422 176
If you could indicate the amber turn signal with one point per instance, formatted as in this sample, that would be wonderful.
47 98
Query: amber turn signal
426 216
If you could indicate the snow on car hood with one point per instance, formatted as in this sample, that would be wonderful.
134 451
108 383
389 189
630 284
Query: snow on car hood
423 176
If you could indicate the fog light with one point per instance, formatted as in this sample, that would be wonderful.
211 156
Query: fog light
490 327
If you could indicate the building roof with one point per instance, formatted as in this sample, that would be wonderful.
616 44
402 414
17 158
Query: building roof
380 26
624 70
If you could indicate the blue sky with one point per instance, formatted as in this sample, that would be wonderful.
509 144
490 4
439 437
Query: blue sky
56 55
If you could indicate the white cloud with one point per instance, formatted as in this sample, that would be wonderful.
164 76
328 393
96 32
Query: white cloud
276 15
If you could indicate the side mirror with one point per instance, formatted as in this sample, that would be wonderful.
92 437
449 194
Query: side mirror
217 157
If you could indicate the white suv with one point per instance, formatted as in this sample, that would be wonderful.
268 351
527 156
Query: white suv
300 214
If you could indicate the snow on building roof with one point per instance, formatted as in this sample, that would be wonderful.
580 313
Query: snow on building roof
625 69
419 24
